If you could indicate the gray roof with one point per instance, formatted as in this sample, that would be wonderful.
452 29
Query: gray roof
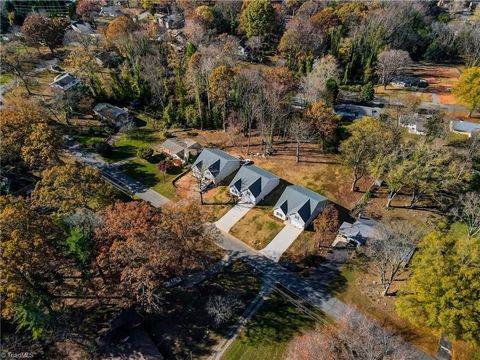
65 80
109 111
414 119
297 199
177 146
253 178
213 160
465 126
360 231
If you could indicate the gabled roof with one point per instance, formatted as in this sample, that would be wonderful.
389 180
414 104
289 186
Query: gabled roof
213 160
65 81
109 111
253 178
360 231
177 146
297 199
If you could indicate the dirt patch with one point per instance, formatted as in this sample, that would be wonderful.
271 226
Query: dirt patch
186 187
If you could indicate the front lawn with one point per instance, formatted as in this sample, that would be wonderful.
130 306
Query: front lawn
148 174
268 333
217 202
89 141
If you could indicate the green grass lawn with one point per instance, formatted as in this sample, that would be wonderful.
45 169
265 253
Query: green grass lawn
147 173
5 78
268 333
89 141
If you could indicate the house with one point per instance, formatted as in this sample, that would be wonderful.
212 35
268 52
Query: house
251 184
299 206
464 127
110 11
214 165
173 21
409 82
64 82
180 149
116 116
81 27
357 233
414 123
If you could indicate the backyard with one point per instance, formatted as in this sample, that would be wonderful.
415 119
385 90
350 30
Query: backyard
267 334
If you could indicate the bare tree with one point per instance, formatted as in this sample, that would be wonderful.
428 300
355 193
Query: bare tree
391 63
300 131
15 60
353 337
314 84
390 248
468 212
222 308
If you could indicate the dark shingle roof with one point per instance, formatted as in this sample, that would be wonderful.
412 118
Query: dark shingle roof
213 160
253 178
297 199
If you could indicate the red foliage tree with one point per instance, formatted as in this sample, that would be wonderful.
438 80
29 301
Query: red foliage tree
42 31
86 8
326 226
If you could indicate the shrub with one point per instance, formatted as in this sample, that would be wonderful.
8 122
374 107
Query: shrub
367 93
103 148
145 153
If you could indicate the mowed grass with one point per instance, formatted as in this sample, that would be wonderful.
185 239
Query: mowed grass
268 333
148 174
128 144
217 202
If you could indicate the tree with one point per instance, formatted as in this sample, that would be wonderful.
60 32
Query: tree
342 341
30 265
326 226
368 138
16 61
391 63
145 153
301 131
120 27
221 84
66 187
26 136
442 290
323 121
85 9
468 88
222 308
257 18
468 212
42 31
164 166
368 92
389 250
314 84
142 248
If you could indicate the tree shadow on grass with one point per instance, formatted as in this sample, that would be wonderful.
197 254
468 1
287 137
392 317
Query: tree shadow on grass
140 173
277 321
121 153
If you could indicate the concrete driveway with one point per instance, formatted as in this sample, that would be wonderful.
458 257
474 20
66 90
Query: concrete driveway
226 222
281 242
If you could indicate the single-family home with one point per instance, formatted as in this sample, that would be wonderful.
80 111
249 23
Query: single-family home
110 11
357 233
464 127
64 82
251 184
409 82
81 27
180 149
414 123
170 22
113 114
299 206
214 165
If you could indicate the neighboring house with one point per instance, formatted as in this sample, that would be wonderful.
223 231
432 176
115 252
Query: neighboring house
414 123
116 116
81 27
64 82
173 21
251 184
108 59
299 205
110 11
357 233
464 127
355 111
409 82
180 149
214 165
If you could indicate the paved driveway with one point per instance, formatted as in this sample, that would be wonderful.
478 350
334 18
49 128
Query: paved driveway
281 242
226 222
